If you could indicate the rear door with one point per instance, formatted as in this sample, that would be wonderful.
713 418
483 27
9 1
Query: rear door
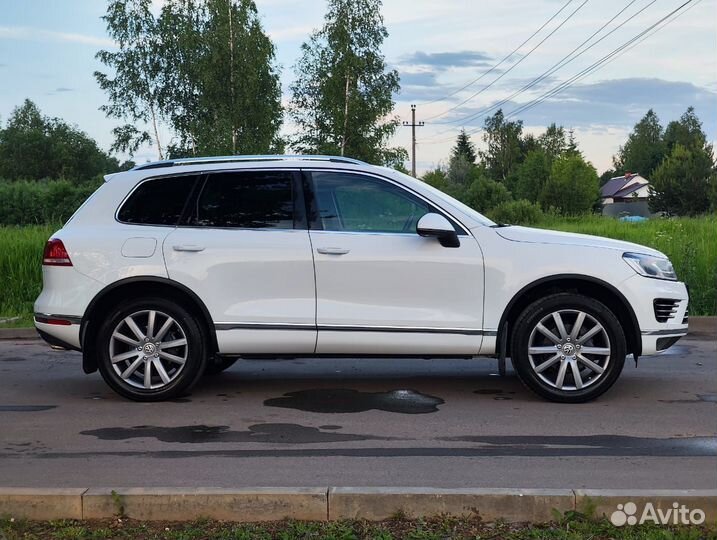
244 249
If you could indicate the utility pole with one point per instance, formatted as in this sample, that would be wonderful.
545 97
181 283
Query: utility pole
413 126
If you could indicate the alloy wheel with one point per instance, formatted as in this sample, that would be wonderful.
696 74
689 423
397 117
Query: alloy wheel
148 349
569 350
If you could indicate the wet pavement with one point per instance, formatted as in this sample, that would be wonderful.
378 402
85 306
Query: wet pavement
359 422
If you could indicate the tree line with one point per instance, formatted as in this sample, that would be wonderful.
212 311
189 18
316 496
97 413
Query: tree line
517 177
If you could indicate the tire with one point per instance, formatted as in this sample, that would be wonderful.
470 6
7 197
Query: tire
174 366
554 362
218 364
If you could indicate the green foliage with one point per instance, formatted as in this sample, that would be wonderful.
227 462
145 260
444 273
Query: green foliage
31 203
682 184
644 149
572 187
342 97
569 526
36 147
687 131
218 98
464 148
503 141
461 172
485 194
134 86
207 69
21 268
520 212
532 175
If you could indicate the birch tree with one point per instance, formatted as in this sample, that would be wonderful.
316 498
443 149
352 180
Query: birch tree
342 98
134 86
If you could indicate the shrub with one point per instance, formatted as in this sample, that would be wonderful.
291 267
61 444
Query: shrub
31 203
520 212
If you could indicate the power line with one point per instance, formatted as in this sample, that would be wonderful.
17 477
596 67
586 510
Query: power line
634 41
565 60
599 64
505 58
511 68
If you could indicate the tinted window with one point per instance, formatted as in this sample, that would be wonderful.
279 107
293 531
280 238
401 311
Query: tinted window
351 202
157 202
247 199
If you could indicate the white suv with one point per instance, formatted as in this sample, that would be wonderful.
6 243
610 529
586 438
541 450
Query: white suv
177 268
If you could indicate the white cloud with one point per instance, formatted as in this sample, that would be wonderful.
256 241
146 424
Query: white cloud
37 34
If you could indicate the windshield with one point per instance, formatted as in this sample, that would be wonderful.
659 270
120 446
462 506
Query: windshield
450 200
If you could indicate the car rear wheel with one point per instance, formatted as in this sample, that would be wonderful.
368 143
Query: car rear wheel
151 350
568 348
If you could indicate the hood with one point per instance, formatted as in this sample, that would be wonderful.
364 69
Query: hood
543 236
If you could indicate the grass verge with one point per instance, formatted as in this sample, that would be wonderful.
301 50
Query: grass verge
21 271
572 527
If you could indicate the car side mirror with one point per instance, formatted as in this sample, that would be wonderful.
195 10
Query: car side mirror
436 226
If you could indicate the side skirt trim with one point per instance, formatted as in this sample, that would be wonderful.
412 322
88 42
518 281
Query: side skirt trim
340 328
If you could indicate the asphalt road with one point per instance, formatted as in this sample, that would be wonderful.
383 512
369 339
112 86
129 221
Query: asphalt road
350 422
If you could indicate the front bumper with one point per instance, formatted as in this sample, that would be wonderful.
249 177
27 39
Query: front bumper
641 292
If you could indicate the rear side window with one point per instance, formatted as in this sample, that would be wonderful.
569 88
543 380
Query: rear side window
158 202
246 200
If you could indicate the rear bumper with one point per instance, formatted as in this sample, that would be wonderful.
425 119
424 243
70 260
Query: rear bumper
59 330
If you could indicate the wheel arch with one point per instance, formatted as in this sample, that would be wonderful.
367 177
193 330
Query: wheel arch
138 286
578 283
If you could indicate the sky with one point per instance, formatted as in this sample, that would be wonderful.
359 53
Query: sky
48 47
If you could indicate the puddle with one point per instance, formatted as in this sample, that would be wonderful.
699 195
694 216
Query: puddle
26 408
258 433
342 400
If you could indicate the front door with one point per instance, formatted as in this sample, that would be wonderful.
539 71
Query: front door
245 251
381 288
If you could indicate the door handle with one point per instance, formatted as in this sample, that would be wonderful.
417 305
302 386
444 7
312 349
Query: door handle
188 247
332 251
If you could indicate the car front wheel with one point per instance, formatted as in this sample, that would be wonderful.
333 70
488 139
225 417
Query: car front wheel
151 350
568 348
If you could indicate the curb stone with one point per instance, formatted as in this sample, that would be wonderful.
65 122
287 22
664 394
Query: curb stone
41 503
170 504
377 504
322 504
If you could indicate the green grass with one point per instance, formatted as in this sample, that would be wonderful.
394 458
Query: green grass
21 271
690 243
573 527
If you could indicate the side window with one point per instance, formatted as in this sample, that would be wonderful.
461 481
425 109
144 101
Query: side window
158 202
355 203
246 200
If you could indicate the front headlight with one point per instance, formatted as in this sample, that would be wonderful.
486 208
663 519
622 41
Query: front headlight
650 266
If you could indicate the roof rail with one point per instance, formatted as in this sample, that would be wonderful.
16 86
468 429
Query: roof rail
231 159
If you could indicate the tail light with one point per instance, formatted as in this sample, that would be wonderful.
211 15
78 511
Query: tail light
55 254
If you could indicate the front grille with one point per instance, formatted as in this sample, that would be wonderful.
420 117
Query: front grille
665 308
686 318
